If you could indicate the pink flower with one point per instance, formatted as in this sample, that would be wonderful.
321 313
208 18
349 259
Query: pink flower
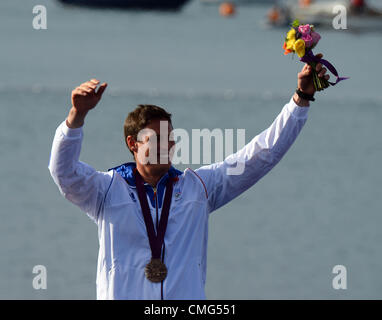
304 29
308 40
315 37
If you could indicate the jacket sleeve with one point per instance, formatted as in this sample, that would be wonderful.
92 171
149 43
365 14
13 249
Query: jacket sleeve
227 179
77 181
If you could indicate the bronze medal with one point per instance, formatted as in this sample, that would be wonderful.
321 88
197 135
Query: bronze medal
156 270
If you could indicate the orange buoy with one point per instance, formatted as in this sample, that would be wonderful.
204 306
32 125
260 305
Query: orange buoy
227 9
273 15
305 3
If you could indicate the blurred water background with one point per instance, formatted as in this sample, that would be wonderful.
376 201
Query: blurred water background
320 207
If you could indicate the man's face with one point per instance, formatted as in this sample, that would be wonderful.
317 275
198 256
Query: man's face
154 145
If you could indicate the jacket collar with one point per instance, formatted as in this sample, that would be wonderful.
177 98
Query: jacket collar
126 171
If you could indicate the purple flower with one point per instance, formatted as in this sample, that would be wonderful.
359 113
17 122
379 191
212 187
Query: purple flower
315 37
308 40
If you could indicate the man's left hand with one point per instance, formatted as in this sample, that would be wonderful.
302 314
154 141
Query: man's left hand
305 78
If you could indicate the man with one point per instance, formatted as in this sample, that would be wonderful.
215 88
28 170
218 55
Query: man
153 219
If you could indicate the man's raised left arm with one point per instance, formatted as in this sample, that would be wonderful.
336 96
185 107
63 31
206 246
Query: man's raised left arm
227 179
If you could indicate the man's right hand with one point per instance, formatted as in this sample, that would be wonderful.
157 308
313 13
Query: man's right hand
84 98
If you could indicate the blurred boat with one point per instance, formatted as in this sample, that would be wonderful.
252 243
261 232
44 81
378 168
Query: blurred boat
130 4
239 2
322 14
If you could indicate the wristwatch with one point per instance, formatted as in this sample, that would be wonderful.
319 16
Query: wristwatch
305 96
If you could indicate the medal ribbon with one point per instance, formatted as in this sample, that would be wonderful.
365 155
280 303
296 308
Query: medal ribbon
155 240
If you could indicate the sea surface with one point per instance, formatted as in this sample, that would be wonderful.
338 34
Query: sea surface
318 208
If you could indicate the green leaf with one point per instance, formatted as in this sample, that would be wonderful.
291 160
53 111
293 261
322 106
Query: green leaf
295 23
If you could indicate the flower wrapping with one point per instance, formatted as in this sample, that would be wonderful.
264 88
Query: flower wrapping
301 39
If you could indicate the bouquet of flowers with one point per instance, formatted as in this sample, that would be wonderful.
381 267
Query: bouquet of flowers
301 39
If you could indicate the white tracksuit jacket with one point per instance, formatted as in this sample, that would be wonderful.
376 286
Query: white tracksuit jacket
111 201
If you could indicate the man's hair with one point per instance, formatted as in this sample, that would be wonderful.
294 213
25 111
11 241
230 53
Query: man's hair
141 117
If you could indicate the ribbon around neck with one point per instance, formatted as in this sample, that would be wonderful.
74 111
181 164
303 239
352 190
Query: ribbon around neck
310 57
155 239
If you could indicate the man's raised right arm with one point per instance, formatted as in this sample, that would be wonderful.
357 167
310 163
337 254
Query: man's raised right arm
77 181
